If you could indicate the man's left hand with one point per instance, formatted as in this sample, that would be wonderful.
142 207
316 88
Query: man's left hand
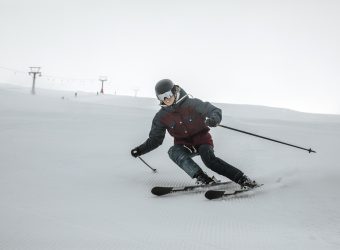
211 122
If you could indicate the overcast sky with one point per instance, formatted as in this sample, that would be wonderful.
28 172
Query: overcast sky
275 53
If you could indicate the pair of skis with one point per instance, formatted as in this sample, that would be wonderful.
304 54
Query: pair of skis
209 194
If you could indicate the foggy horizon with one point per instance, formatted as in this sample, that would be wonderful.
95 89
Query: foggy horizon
271 53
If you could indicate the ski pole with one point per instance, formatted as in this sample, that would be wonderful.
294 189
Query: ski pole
241 131
153 169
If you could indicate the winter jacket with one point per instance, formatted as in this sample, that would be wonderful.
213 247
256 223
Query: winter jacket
184 120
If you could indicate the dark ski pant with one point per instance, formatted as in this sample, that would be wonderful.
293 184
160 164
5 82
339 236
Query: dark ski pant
182 156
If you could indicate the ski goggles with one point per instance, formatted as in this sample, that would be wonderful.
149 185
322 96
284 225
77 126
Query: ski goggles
168 95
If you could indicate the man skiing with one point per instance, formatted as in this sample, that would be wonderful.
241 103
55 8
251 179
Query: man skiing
188 121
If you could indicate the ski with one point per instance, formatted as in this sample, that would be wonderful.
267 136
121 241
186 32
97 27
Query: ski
216 194
160 191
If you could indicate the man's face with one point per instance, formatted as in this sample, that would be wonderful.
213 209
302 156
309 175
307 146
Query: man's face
169 101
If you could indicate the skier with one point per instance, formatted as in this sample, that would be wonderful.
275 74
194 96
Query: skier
188 121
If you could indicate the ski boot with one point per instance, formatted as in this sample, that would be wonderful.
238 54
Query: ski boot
246 183
203 179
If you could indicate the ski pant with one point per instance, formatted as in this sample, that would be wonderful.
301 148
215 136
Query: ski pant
182 156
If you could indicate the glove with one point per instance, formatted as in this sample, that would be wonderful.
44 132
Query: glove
211 122
136 152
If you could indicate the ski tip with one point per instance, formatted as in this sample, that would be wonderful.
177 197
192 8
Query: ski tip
213 194
159 191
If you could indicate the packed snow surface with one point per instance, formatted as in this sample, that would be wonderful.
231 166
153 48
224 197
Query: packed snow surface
68 181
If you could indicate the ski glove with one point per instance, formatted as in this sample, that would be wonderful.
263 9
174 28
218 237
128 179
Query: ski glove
211 122
136 152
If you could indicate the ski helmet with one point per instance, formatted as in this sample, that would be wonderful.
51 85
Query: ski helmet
164 89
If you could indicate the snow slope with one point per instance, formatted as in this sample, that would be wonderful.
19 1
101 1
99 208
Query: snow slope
68 181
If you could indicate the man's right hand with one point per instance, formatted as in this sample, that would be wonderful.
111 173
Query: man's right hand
135 152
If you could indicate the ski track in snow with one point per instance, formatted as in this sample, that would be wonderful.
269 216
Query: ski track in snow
68 181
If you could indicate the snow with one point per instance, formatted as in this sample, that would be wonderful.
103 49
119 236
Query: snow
68 181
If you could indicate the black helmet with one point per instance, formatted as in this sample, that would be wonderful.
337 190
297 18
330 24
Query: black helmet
164 86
